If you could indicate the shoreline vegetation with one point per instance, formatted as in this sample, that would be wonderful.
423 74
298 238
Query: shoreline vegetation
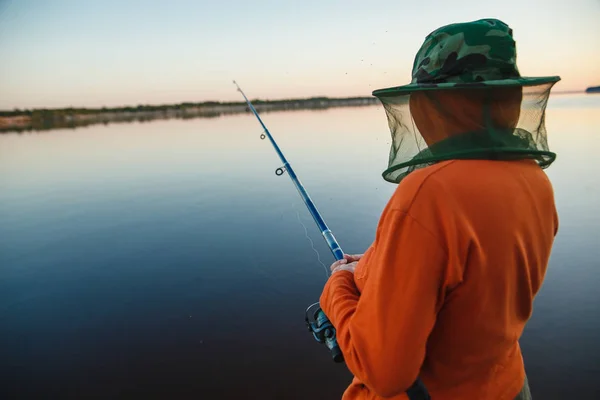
46 119
593 89
61 118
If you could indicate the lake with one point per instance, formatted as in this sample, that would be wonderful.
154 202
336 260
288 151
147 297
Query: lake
167 260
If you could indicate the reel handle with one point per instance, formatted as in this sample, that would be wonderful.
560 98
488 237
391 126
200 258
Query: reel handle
336 354
323 331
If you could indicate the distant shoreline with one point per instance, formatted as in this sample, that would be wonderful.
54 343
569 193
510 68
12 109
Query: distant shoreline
593 89
49 119
46 119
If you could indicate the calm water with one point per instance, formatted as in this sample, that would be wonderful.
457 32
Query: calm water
167 259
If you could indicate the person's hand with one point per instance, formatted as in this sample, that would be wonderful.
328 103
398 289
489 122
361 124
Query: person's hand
343 265
353 257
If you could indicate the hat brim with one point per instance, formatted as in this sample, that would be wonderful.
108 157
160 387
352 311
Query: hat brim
413 87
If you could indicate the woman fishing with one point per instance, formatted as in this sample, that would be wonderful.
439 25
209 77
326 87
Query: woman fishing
461 249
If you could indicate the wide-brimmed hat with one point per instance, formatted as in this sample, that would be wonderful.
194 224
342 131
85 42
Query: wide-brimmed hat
467 100
473 54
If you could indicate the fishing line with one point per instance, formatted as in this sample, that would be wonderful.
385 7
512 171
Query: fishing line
312 244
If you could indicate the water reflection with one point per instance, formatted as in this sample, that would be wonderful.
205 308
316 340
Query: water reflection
167 258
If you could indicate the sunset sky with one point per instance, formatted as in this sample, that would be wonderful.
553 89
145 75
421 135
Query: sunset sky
58 53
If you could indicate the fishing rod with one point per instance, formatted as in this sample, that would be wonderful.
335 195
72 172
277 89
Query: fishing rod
316 320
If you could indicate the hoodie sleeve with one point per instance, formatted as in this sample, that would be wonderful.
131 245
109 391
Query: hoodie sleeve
383 331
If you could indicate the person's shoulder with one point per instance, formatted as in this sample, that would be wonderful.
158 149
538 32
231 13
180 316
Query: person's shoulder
423 182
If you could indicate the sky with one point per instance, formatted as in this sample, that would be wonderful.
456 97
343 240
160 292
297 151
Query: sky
92 53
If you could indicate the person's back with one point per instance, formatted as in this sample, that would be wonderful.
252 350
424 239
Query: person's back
497 220
475 243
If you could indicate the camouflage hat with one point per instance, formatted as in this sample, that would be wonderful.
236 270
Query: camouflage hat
469 54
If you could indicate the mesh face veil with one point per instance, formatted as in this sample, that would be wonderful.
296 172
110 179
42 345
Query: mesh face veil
494 123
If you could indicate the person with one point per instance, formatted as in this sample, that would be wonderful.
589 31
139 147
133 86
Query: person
444 291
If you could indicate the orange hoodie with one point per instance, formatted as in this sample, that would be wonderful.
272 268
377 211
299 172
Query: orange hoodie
447 286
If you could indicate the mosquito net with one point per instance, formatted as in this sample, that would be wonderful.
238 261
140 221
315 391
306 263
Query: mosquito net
487 122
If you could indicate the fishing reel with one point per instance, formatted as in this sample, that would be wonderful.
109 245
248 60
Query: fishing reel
323 331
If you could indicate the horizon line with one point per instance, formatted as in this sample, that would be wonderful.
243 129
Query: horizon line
220 102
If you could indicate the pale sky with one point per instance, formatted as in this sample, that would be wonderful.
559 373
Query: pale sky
92 53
